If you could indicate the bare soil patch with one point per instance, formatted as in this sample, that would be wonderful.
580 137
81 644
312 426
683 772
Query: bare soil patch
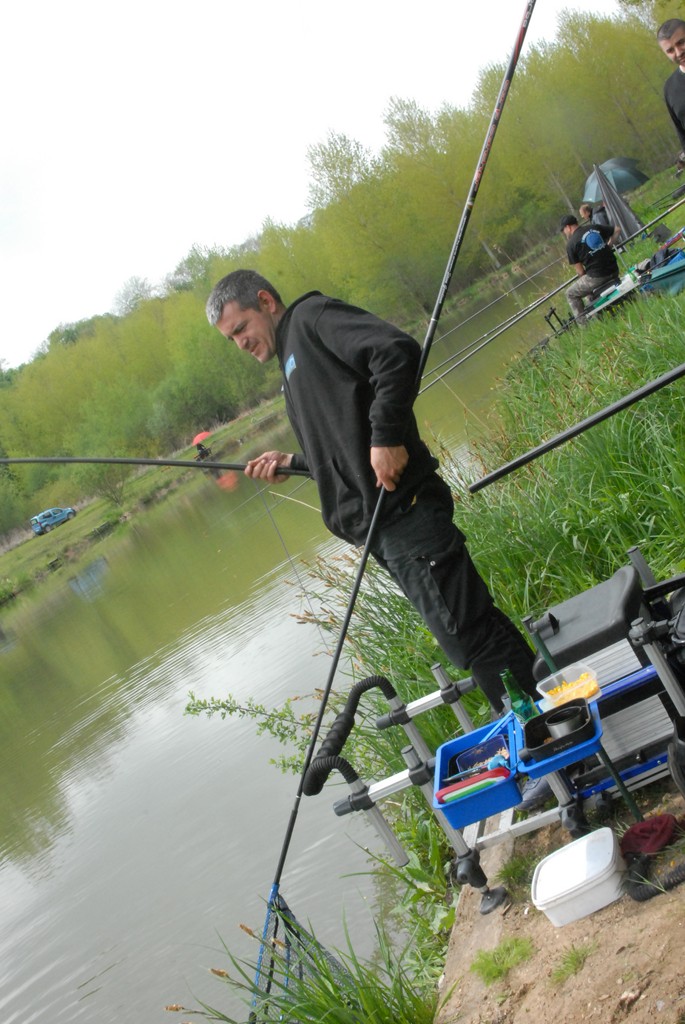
634 972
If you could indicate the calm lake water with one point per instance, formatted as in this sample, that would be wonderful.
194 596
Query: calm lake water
134 839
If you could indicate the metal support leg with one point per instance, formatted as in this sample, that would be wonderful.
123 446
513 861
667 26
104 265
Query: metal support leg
382 828
456 839
572 816
643 568
413 735
466 869
620 785
446 684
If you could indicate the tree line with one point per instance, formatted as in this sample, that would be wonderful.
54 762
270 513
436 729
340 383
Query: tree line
143 380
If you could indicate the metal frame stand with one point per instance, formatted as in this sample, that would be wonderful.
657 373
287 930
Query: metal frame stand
466 868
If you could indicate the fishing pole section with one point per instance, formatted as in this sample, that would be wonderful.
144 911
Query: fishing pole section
115 461
579 428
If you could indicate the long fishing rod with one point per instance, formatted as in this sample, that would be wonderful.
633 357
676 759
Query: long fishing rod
430 334
579 428
475 185
512 316
184 463
679 189
656 220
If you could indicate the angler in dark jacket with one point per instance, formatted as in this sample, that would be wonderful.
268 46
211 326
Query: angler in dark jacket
349 387
350 382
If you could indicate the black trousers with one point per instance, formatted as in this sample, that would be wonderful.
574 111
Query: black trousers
426 555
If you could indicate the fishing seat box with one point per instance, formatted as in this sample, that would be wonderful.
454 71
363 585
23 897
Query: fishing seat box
593 627
580 878
597 618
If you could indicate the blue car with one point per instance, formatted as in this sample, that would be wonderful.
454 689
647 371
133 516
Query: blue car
44 521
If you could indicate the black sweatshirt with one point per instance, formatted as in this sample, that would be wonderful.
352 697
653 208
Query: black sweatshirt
350 382
674 94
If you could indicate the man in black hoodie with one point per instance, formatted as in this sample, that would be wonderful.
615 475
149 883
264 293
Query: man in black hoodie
349 381
671 39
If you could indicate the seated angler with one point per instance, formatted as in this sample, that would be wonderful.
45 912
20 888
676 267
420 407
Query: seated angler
589 248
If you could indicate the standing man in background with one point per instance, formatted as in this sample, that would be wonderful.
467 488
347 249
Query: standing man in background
585 213
671 39
349 381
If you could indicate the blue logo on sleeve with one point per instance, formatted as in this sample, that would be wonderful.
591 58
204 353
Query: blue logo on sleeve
289 366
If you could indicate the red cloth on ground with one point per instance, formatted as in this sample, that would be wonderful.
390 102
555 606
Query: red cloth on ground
649 836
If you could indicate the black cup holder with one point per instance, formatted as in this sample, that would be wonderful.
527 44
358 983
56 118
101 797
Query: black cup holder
556 730
564 721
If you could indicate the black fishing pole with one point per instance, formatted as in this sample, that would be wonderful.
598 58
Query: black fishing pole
430 334
579 428
475 184
183 463
678 190
651 223
507 320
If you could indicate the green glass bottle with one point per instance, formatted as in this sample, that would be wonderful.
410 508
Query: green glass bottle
522 704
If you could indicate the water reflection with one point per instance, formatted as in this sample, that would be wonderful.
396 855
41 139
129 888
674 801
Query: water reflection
88 583
130 836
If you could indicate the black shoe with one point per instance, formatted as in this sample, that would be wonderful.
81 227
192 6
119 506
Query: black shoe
536 792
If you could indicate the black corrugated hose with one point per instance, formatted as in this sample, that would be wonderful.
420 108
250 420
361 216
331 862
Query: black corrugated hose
326 760
638 884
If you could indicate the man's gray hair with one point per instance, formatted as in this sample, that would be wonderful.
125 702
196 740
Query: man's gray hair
241 286
666 30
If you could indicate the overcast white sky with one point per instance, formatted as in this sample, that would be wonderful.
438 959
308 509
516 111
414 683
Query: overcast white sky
132 131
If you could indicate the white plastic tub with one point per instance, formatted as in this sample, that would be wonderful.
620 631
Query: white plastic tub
579 878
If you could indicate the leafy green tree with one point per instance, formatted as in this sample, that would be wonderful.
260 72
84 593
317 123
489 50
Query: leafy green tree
337 166
193 270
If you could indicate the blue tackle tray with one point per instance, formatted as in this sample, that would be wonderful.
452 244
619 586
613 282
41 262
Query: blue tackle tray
497 797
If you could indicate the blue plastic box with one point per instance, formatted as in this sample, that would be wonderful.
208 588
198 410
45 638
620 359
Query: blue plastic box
497 797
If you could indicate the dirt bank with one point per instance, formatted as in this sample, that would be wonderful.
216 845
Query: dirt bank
633 972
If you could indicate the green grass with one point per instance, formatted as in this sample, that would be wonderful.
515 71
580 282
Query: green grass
565 521
517 874
572 961
494 965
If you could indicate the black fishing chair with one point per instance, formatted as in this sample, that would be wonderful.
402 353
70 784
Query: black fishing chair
631 631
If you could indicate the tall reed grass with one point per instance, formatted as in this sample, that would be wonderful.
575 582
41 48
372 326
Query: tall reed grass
349 991
566 521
